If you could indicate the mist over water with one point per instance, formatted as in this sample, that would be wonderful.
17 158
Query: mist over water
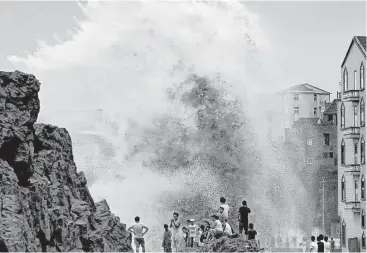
122 59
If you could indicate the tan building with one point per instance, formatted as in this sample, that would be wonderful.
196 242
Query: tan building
351 148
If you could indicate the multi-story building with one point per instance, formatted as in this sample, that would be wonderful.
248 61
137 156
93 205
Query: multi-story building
351 147
298 101
312 145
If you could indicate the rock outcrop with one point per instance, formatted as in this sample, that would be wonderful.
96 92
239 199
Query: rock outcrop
45 204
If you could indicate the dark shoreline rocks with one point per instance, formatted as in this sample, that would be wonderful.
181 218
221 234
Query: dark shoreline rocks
45 204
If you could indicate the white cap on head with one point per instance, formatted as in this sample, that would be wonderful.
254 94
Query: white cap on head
192 220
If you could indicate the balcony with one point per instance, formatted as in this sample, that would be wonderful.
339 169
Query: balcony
351 132
355 206
354 169
351 95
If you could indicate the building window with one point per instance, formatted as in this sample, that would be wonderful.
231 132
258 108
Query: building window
355 80
296 97
362 151
342 115
314 111
362 76
325 155
356 153
309 142
345 80
355 190
344 237
315 97
362 117
309 160
363 240
296 110
363 219
343 188
355 111
331 155
326 139
342 153
363 191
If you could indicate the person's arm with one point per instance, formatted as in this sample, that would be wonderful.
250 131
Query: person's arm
249 210
131 230
177 224
146 230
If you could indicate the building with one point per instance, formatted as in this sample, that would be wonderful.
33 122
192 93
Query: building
312 145
298 101
351 147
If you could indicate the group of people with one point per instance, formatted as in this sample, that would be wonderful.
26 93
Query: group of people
322 244
191 235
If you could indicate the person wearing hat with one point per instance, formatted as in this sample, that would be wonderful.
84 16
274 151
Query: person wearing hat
193 229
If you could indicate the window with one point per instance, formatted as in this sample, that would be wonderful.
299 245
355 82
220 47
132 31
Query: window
344 237
326 139
331 155
343 188
342 153
355 110
314 111
345 80
363 219
356 153
315 97
362 151
362 76
296 110
363 240
355 80
362 117
325 155
363 192
342 115
309 142
296 97
355 190
309 160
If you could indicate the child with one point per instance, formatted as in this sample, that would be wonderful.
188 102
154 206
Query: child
251 233
193 228
186 235
201 236
167 239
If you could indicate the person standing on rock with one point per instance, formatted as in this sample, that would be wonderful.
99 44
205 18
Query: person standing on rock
225 207
138 230
243 219
167 239
176 231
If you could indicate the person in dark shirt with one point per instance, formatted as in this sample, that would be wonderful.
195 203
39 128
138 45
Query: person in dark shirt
43 240
243 218
332 245
320 244
251 232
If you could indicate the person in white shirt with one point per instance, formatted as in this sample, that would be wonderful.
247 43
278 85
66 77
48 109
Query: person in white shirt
216 228
225 207
227 228
313 245
327 244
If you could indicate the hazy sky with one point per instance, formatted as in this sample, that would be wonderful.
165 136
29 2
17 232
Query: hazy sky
308 39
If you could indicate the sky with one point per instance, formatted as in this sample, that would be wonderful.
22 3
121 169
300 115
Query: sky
308 39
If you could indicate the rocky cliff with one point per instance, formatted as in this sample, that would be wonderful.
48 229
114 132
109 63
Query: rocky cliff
45 204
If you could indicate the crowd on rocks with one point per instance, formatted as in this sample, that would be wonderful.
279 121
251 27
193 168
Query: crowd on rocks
179 237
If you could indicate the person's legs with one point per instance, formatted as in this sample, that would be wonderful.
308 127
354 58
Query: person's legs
142 243
240 228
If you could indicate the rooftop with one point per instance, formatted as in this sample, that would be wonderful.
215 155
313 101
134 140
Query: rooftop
361 44
332 108
305 88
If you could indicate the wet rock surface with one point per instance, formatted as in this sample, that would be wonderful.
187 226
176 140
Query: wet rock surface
45 204
226 244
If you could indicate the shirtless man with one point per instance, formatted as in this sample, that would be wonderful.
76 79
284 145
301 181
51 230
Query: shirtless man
137 230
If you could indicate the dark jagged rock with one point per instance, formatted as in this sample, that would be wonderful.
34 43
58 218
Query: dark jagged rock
45 204
226 244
